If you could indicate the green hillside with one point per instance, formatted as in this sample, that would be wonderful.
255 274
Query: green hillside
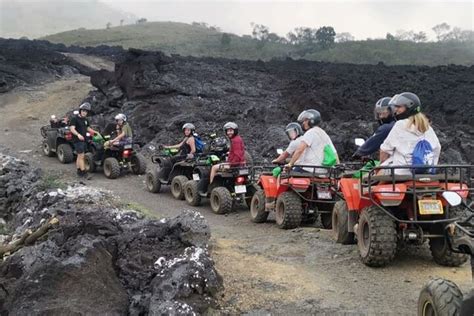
195 40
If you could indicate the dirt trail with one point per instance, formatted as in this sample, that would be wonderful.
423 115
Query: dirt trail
299 271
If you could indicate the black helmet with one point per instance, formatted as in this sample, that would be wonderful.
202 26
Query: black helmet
85 106
190 126
313 116
231 125
408 99
382 105
294 126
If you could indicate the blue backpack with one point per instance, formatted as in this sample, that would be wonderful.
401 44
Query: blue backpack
423 155
199 143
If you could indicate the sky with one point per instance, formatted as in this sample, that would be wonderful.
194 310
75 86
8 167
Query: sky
363 19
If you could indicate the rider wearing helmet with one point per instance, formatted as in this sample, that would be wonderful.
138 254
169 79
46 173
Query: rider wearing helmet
411 127
384 115
80 126
311 150
236 155
124 132
187 147
293 131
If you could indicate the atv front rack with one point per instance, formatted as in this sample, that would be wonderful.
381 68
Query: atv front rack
445 174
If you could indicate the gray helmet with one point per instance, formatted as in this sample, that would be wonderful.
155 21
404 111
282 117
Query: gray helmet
231 125
294 126
85 106
121 116
408 99
312 115
190 126
382 105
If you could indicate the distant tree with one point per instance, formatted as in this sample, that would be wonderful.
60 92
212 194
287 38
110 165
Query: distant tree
108 25
325 36
344 37
260 31
275 38
390 37
455 35
467 36
121 22
24 38
215 28
441 30
226 40
420 37
403 35
141 21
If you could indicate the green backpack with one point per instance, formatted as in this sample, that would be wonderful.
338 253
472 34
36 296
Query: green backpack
330 156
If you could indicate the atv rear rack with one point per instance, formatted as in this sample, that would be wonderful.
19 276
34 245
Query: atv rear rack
445 174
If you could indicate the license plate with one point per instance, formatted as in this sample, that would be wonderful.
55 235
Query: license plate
243 172
430 207
324 195
240 189
196 177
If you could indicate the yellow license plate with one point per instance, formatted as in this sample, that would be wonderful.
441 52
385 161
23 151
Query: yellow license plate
430 207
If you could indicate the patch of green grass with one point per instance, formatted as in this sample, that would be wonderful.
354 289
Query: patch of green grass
50 182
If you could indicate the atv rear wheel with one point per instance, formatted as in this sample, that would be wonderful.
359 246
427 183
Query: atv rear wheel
340 224
153 183
177 187
65 153
440 250
138 163
440 297
47 149
191 193
288 210
257 207
376 237
89 162
221 200
111 168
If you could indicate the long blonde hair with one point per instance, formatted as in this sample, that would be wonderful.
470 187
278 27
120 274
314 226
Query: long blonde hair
420 121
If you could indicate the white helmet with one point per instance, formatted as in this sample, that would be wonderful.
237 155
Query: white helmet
76 112
121 117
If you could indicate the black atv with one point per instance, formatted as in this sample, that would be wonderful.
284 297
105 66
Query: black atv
113 160
58 141
177 174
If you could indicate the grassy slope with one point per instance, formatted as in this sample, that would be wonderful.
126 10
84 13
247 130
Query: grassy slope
185 39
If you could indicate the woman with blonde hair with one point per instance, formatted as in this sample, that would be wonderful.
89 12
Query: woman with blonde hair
411 127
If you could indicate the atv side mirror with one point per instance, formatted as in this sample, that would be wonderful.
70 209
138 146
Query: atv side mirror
279 151
359 141
452 198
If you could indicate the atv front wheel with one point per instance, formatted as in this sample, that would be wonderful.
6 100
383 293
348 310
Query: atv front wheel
177 186
376 237
340 224
440 297
138 163
257 207
111 168
191 193
288 210
47 149
221 200
153 183
64 153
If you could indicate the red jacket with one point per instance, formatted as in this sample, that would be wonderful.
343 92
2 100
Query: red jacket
237 151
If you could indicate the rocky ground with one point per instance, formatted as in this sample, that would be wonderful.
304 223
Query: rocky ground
264 269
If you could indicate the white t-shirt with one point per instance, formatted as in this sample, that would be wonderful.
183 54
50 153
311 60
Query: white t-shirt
293 146
316 139
402 140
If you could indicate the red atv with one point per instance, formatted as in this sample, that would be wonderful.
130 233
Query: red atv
295 197
385 212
